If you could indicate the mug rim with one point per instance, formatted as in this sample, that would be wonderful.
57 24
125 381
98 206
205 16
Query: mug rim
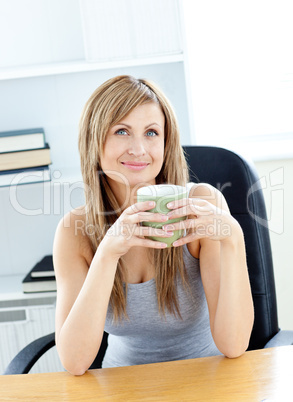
150 191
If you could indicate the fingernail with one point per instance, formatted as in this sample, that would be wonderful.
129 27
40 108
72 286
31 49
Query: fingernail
170 205
165 217
163 245
152 203
168 227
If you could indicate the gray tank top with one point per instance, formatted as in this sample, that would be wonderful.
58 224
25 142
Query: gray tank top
148 337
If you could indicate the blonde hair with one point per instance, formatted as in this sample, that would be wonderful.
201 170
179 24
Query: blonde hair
108 105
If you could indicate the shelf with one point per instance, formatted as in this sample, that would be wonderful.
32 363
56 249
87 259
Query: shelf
63 176
80 66
11 289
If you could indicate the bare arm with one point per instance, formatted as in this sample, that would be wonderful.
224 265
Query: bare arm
223 267
226 283
84 286
85 281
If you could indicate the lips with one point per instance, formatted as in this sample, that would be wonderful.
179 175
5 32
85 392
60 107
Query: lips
135 165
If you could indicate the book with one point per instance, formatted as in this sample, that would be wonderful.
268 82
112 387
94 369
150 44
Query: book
25 159
25 176
43 268
41 278
36 285
22 139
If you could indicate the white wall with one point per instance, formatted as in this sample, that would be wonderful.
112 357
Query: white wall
242 74
279 200
39 31
242 93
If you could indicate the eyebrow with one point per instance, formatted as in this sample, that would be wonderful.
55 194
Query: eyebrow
128 126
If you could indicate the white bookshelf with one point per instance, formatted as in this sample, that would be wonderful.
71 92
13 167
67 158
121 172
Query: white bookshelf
81 66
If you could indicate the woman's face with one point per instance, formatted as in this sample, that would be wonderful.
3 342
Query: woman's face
134 148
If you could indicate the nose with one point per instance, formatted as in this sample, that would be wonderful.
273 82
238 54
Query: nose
136 147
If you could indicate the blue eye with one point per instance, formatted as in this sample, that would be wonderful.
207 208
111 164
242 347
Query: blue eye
121 132
151 133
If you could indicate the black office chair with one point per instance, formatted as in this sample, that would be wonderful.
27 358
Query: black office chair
238 181
30 354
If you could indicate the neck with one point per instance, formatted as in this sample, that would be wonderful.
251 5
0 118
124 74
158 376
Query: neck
125 195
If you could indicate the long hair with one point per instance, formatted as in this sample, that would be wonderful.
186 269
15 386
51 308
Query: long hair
108 105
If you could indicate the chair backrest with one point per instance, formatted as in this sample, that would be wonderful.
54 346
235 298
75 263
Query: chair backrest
239 183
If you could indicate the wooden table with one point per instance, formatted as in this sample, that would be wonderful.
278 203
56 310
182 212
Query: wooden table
262 375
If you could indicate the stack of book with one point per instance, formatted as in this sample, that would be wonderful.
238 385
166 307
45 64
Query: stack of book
41 278
24 157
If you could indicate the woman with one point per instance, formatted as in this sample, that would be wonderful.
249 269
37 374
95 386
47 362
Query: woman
157 303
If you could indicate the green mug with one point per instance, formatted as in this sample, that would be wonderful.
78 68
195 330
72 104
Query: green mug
162 194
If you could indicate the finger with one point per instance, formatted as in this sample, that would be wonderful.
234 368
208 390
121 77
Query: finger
190 209
145 217
186 224
139 206
184 240
150 231
151 217
211 229
185 201
149 243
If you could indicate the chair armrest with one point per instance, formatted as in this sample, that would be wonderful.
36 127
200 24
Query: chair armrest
28 356
282 338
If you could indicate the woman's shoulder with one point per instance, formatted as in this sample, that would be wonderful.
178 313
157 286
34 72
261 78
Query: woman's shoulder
74 218
71 233
201 190
207 192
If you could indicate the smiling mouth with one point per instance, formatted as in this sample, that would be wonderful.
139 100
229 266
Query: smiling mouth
135 165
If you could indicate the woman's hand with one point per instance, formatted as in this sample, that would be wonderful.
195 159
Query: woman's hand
128 232
205 220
